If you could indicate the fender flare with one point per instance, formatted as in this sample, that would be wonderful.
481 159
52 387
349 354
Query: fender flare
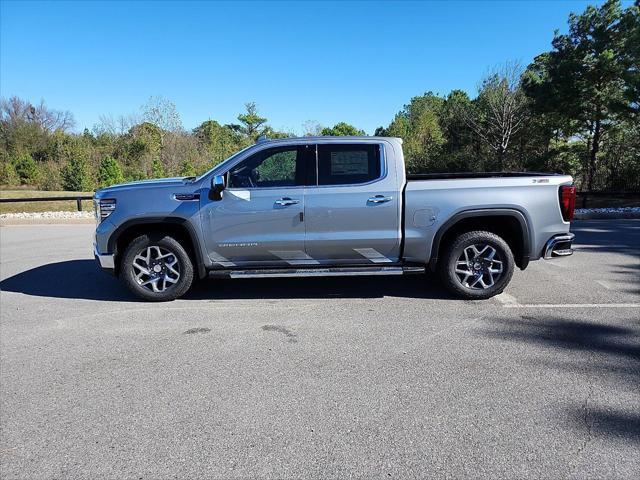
484 212
183 222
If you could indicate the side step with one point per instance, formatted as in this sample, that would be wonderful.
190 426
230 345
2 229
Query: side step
315 272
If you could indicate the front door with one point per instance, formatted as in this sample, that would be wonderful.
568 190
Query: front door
259 221
353 214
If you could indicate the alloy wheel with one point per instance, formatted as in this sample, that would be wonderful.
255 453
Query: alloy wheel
479 267
156 268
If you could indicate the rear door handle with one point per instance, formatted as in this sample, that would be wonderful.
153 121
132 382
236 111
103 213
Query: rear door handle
286 201
379 199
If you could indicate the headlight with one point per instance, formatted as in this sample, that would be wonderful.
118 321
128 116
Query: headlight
104 207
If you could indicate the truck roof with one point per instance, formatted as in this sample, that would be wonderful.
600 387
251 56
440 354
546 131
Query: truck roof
328 139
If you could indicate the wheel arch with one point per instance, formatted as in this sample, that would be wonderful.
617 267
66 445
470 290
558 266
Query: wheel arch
510 224
177 227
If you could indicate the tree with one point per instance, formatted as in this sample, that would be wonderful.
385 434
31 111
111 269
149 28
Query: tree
50 176
75 175
342 129
8 175
188 169
162 113
157 170
418 124
218 141
311 128
15 111
590 80
251 121
26 169
500 111
109 172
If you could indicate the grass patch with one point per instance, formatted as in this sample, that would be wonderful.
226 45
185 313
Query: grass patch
52 206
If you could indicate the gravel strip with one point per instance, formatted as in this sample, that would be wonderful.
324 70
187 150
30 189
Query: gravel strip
38 215
46 218
604 213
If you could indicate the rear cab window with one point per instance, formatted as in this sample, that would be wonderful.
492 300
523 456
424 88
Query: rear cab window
348 164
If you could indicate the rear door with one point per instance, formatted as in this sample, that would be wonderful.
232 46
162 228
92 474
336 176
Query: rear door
259 221
352 214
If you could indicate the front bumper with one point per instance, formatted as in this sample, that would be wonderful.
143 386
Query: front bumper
106 262
559 246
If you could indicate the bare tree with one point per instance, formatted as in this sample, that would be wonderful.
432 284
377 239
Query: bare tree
15 110
162 113
109 125
500 110
311 128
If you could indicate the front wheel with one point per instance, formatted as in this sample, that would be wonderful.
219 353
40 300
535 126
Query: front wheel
156 268
478 265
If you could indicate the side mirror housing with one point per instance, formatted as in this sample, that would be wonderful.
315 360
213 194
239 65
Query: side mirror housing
218 184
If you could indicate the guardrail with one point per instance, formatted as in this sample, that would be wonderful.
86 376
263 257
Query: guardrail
77 198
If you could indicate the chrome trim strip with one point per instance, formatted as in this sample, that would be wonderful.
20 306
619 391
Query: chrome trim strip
549 247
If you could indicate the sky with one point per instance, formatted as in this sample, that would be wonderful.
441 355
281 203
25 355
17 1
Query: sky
326 62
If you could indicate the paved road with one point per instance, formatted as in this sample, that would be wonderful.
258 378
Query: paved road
324 378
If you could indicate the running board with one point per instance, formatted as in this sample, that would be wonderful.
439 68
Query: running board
315 272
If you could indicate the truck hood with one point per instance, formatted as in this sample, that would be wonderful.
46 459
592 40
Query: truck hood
155 183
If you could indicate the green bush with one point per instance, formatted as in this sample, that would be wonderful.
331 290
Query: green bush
8 175
75 176
26 169
188 170
109 172
50 179
157 170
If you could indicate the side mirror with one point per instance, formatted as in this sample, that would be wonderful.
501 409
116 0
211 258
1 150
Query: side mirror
218 184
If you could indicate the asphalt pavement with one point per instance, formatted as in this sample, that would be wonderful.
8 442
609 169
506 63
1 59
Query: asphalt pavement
367 377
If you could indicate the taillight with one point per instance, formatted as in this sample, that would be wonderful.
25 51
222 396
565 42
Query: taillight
567 195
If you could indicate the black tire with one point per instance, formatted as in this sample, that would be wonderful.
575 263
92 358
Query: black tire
484 282
133 279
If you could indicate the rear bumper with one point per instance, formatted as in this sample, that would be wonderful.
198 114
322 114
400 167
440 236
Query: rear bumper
559 246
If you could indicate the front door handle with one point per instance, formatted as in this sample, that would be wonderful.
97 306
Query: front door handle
286 201
379 199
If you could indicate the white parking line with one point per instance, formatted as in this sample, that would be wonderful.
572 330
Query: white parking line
555 264
601 247
506 299
573 305
606 285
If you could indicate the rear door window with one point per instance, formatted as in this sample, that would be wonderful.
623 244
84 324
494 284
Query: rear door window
348 164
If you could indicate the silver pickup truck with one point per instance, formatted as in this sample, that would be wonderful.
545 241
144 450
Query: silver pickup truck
330 206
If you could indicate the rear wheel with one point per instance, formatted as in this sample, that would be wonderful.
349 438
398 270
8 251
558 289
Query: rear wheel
156 268
477 265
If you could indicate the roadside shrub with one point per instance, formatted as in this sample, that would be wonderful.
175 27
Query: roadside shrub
75 175
50 178
26 169
109 172
8 175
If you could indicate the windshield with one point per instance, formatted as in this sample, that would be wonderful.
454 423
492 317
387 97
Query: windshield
221 164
